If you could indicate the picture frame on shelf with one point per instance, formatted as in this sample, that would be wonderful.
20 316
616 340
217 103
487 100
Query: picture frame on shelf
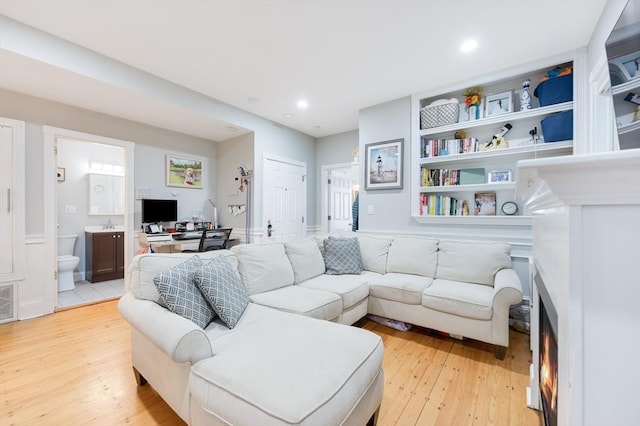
184 172
499 103
383 165
485 204
499 176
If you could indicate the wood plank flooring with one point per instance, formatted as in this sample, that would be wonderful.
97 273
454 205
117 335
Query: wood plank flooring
74 368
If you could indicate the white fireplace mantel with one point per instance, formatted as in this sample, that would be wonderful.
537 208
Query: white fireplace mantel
586 247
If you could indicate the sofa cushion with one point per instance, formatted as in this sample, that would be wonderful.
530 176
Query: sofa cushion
299 300
263 267
342 256
306 259
318 373
146 266
459 298
374 250
404 288
350 288
177 288
222 288
471 261
413 255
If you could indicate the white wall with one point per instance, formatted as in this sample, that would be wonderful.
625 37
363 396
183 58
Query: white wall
334 149
231 154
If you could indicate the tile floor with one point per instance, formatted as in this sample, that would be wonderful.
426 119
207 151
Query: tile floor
90 292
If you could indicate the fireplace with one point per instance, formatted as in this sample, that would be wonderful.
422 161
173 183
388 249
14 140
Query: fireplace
547 355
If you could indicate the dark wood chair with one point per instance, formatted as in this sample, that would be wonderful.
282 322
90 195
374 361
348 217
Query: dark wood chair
215 239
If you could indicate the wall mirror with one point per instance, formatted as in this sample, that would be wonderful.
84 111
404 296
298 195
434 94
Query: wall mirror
106 194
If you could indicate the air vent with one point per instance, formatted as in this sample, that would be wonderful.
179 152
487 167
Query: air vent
7 302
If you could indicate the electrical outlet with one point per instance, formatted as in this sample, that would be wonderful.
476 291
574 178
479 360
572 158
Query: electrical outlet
69 208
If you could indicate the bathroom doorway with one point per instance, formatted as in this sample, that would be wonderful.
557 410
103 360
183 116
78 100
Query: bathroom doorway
71 206
90 197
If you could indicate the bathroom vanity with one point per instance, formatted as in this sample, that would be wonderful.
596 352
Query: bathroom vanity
104 249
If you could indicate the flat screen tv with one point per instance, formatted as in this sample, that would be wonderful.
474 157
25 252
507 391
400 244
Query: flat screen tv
156 211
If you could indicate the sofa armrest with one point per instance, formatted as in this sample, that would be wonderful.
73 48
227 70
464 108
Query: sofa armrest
507 288
179 338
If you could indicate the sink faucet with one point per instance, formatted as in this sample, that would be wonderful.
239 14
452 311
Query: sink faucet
109 225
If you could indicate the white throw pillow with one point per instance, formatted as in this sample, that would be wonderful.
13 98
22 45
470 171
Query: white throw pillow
413 255
374 250
306 259
472 261
263 267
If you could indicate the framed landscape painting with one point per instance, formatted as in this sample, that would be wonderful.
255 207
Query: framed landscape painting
383 165
184 172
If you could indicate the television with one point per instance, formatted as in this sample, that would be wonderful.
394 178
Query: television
156 211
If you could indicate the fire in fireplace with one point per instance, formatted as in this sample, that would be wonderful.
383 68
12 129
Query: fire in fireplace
548 374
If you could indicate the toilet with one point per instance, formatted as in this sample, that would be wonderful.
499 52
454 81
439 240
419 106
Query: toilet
67 262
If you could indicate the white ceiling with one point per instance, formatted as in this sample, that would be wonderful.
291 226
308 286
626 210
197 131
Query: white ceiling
263 56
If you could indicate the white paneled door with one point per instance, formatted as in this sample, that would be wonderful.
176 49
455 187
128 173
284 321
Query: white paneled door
283 200
339 199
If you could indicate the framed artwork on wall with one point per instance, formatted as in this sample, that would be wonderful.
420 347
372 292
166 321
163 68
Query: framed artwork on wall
383 165
184 172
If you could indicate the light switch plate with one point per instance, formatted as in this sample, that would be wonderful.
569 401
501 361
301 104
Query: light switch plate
369 209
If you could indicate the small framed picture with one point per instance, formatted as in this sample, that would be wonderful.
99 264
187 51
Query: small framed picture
383 165
60 174
485 204
499 176
499 103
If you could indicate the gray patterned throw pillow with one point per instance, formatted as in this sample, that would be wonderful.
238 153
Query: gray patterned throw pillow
177 288
342 256
220 284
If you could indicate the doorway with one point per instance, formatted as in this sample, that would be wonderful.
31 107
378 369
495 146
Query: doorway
339 190
284 198
51 137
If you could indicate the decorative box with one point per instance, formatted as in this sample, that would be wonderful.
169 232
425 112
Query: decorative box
439 113
555 90
558 127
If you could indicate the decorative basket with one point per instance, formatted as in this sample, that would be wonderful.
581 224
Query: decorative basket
439 113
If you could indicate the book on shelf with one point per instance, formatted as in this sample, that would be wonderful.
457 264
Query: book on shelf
442 147
450 177
439 205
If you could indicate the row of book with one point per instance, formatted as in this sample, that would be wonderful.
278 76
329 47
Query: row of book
442 205
441 147
450 177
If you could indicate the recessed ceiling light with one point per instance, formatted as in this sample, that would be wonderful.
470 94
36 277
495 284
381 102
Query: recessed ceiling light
302 104
469 45
316 127
287 115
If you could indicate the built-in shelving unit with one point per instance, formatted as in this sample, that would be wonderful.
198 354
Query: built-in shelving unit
521 146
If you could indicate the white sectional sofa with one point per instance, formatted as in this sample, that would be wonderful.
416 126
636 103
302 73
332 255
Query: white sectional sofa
291 359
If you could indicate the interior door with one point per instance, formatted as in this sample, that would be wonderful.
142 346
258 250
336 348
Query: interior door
283 200
339 199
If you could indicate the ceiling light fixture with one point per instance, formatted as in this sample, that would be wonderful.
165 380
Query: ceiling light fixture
287 115
469 45
232 129
302 104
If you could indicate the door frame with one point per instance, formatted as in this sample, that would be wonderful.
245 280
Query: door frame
324 191
51 135
266 157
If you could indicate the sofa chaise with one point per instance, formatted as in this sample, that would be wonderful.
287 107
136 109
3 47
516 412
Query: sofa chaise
292 358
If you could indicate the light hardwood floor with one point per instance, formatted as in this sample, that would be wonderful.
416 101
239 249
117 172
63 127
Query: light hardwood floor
74 368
